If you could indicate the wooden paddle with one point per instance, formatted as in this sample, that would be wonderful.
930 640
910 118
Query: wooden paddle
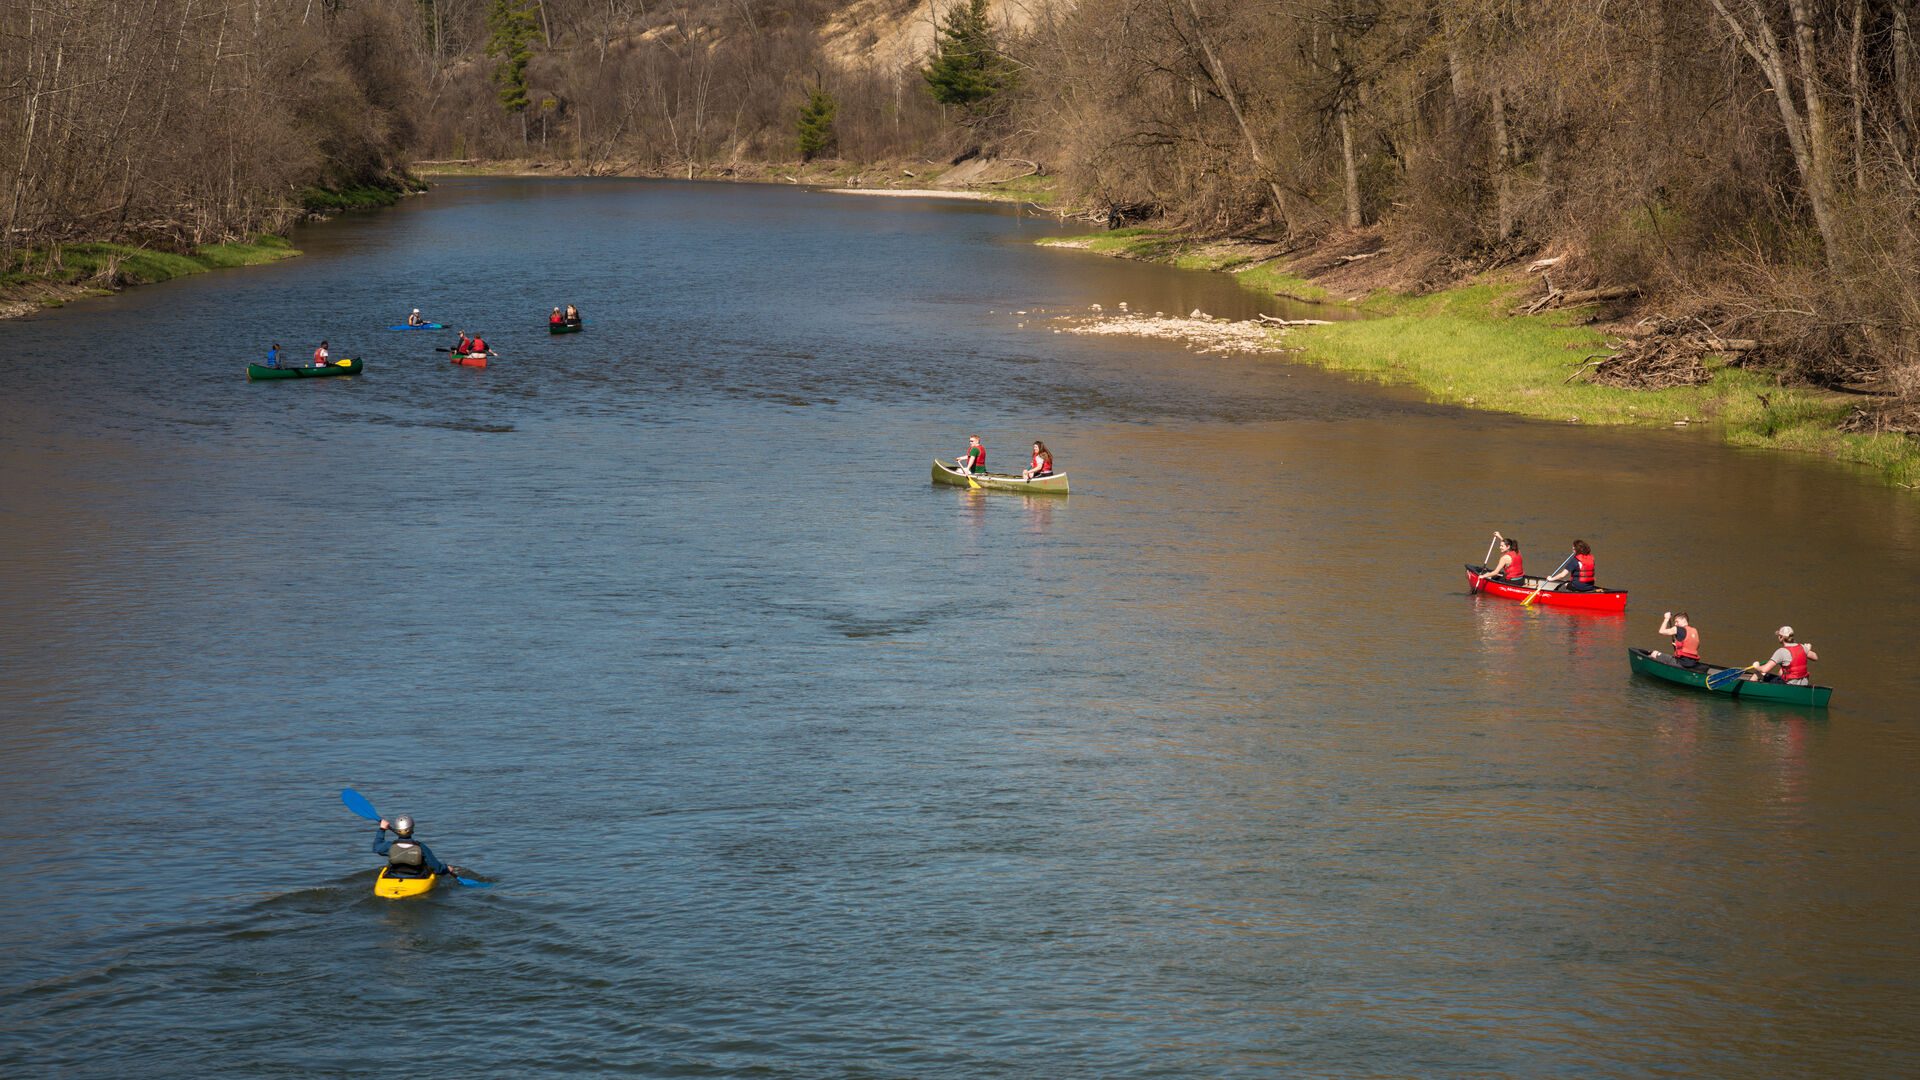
1543 581
1484 565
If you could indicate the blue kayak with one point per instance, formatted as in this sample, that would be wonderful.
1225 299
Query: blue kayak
422 326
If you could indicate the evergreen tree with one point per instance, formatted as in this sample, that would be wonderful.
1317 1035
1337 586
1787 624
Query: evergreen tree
815 126
511 29
968 69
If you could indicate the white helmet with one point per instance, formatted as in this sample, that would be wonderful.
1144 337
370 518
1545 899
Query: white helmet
403 825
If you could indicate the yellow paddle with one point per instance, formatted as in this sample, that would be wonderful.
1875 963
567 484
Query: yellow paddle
343 363
972 483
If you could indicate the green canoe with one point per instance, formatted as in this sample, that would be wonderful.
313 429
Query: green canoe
1744 689
338 367
564 328
1055 484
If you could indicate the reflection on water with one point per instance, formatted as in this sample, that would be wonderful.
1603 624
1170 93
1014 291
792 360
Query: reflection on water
787 760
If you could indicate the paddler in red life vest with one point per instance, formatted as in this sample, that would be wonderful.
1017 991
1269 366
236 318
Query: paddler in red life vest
321 356
460 347
976 456
556 319
1686 640
477 345
1789 662
1510 565
1042 462
1577 571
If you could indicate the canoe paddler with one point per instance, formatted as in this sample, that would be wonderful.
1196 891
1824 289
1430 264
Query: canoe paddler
556 319
1686 640
1042 464
461 348
975 459
320 356
573 315
1789 661
405 854
273 355
415 319
1509 565
1577 571
477 345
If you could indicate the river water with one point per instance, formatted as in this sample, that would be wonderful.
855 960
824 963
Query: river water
784 762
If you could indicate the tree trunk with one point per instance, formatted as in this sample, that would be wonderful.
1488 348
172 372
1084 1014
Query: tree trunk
1763 46
1355 218
1903 71
1218 76
1858 91
1503 175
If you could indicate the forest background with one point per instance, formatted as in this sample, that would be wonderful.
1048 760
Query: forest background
1751 167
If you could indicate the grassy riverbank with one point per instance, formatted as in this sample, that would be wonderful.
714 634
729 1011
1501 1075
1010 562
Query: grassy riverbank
994 179
1462 346
53 276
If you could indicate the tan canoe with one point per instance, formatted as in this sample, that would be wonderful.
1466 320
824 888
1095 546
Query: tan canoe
1056 484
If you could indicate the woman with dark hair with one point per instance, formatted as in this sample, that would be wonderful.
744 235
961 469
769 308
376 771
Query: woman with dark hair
1577 571
1042 462
1510 565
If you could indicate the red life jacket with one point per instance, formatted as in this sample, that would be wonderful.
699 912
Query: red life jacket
462 347
1583 569
1796 667
319 358
977 457
480 345
1041 464
1514 570
1687 644
556 318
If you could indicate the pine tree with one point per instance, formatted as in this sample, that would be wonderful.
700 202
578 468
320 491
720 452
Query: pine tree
815 126
512 29
968 69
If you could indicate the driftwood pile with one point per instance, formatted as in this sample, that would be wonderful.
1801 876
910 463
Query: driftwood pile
1884 418
1658 352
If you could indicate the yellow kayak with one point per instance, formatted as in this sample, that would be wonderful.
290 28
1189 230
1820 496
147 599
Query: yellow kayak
399 888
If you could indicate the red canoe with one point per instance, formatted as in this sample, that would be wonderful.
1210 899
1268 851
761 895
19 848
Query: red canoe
1598 600
478 359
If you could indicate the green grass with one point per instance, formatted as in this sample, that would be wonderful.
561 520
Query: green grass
1462 346
1273 279
80 264
1459 346
1039 190
319 200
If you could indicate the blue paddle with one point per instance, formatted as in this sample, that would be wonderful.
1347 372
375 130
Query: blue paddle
358 803
1726 677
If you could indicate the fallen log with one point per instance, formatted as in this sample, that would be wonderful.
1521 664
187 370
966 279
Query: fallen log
1591 296
1295 322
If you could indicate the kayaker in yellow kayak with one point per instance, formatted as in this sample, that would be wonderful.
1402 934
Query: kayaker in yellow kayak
408 857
